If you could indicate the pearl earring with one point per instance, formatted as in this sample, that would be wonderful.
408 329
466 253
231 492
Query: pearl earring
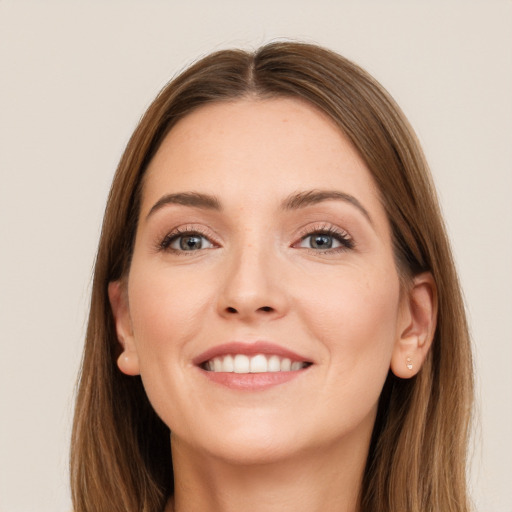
409 363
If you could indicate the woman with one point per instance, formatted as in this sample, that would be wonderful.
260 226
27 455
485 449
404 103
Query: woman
276 321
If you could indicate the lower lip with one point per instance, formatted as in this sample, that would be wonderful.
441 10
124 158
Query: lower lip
252 381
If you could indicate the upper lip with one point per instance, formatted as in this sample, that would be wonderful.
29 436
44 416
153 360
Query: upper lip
249 349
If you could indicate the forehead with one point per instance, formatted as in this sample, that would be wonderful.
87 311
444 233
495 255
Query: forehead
256 149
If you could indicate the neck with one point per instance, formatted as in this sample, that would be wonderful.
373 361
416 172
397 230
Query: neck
325 479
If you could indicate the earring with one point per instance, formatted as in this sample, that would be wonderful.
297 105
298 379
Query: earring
128 363
409 363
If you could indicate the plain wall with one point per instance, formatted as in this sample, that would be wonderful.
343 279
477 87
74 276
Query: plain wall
75 78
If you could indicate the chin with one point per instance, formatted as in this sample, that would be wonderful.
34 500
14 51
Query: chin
242 442
257 450
265 441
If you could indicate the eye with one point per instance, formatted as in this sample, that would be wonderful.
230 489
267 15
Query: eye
326 240
186 241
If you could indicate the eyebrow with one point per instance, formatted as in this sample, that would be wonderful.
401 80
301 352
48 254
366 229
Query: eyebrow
311 197
293 202
194 199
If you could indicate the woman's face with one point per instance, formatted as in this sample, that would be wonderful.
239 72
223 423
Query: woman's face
262 246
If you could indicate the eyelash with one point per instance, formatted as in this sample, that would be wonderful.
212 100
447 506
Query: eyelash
165 244
346 241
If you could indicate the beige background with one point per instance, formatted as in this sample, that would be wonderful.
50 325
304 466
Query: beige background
75 77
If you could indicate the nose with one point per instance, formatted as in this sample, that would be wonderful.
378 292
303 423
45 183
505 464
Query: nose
252 290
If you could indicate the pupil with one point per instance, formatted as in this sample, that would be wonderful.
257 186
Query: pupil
322 242
189 243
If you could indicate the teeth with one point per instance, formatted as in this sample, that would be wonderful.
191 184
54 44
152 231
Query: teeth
274 364
286 365
258 364
217 364
228 365
240 363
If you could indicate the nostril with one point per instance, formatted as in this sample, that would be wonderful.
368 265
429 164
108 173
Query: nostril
234 311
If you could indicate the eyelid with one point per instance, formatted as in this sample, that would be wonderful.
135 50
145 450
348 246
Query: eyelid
164 241
342 235
324 227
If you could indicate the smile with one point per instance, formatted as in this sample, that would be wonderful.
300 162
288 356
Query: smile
254 366
259 363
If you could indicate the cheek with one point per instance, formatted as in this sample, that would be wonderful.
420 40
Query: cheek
356 319
166 308
356 323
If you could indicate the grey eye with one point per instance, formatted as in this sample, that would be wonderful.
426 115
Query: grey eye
190 242
321 241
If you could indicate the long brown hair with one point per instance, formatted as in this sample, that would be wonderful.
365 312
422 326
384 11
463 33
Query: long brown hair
121 459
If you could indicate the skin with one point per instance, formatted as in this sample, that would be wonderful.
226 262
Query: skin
300 445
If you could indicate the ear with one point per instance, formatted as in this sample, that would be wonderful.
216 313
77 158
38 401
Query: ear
128 361
416 326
